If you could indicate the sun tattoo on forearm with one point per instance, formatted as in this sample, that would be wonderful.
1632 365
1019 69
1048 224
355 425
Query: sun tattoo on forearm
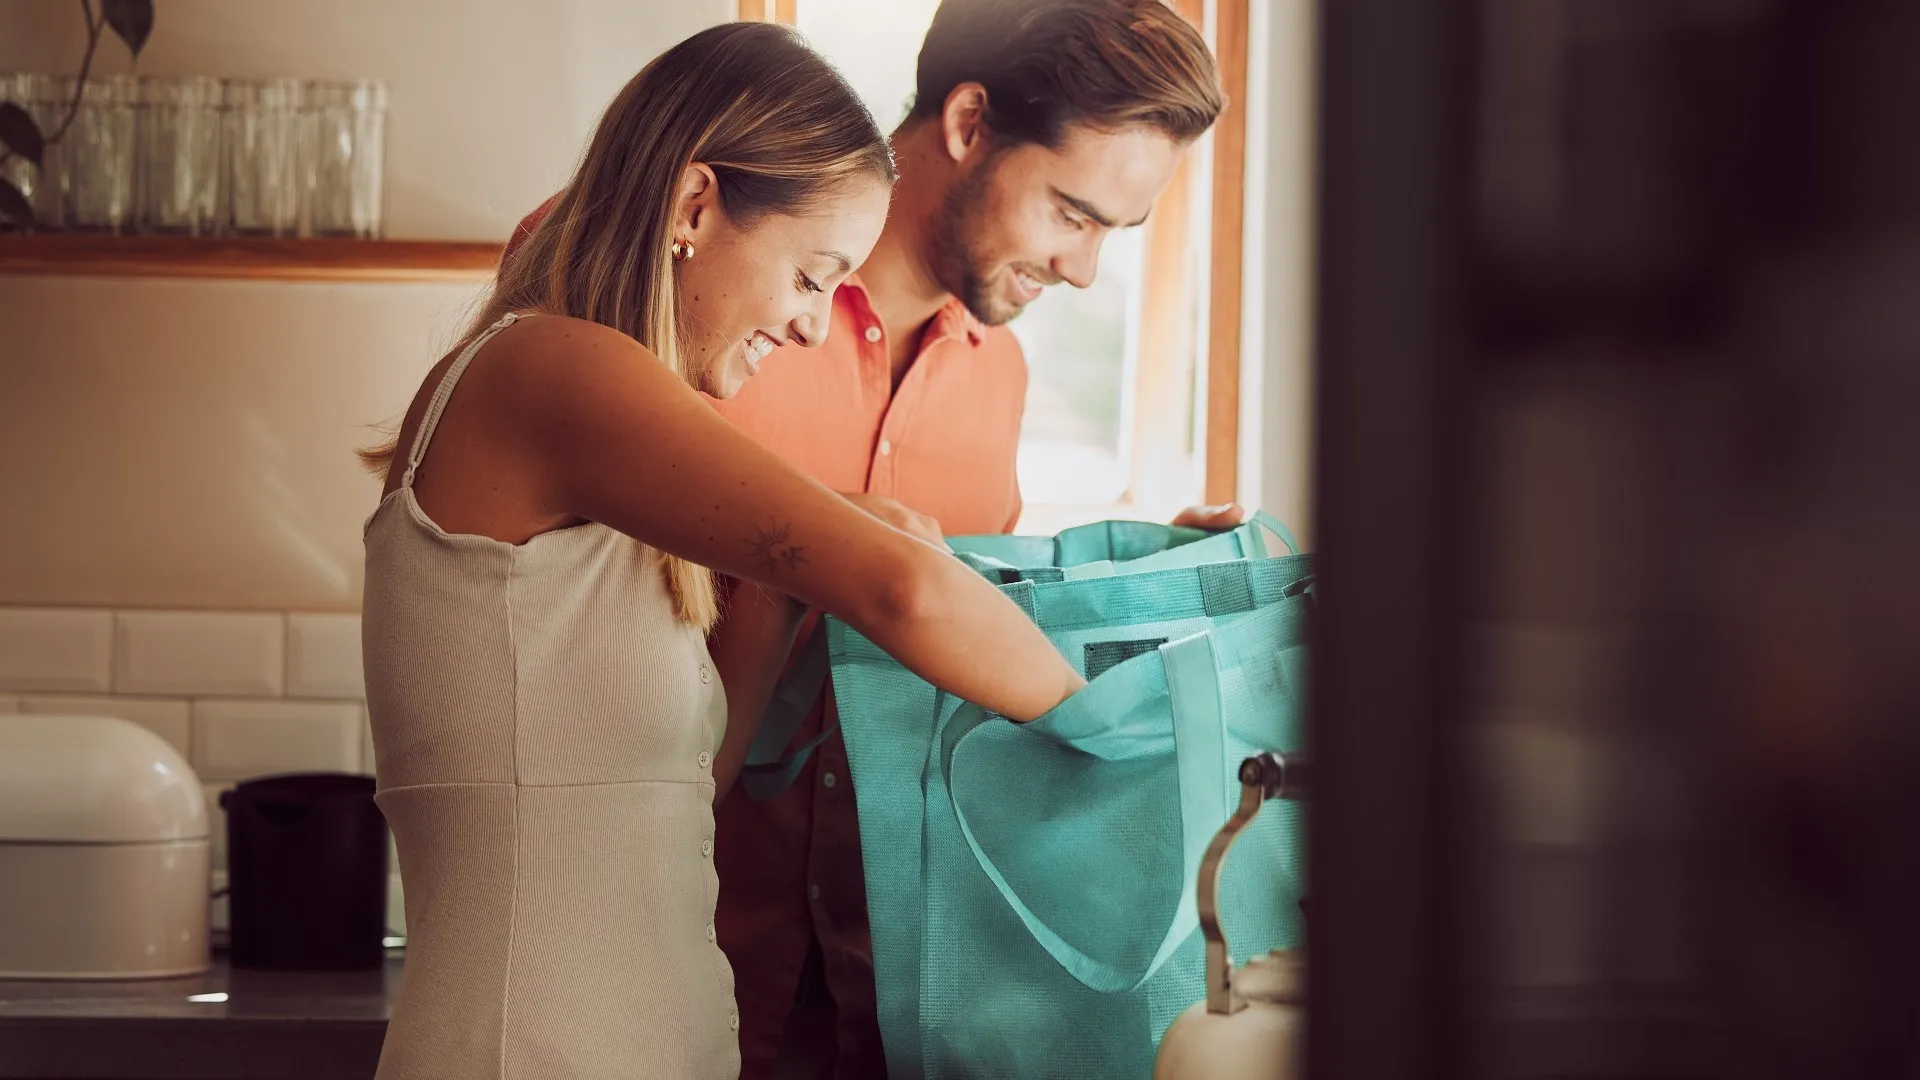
772 547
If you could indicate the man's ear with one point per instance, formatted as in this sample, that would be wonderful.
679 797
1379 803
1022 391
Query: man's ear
963 122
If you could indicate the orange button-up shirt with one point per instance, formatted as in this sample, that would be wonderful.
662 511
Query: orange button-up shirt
944 444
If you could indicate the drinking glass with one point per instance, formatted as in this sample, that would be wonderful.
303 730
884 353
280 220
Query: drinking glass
180 154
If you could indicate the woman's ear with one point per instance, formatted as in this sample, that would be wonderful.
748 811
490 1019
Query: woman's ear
699 207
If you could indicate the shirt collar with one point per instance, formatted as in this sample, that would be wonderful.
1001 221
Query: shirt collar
951 321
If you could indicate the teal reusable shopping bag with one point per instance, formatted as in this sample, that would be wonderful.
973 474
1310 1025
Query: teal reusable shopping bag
1107 548
890 716
1101 549
1060 935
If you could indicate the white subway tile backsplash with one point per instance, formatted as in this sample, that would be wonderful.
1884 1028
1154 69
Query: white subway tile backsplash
168 719
200 653
58 650
215 684
236 740
323 657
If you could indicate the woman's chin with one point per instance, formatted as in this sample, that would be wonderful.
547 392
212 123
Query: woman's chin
723 384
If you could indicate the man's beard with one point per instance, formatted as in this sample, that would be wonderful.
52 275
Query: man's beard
957 267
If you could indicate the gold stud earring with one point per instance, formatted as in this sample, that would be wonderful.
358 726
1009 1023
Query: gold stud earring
682 250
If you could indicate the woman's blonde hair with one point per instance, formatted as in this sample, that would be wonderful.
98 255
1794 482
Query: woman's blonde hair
782 132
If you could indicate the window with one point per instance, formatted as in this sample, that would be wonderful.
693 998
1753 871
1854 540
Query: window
1118 406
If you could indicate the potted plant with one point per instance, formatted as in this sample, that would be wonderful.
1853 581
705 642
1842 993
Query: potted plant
132 22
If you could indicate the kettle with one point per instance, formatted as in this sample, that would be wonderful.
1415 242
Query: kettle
1249 1027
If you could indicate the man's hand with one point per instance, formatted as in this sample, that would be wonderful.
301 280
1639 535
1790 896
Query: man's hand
1212 518
907 520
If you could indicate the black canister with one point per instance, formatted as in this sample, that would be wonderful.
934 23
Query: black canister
306 872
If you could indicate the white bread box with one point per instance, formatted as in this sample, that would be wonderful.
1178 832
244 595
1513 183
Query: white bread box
103 852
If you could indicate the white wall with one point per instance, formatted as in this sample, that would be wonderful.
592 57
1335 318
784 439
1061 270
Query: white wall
188 444
1276 391
492 100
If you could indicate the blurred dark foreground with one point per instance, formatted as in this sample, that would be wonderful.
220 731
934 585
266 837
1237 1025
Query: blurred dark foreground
1618 698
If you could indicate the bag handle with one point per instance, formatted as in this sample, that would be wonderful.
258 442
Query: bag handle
1102 549
1001 572
1249 539
1117 540
1278 528
1199 743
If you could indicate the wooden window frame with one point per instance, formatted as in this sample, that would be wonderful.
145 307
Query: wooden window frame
1167 355
780 11
1230 46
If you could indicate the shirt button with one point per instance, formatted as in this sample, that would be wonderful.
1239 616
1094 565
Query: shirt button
706 674
733 1022
706 847
885 448
829 779
813 892
705 759
710 934
873 333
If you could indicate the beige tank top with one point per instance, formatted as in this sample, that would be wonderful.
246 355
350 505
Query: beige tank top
544 730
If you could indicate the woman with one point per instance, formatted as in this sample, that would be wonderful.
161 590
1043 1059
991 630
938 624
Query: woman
544 708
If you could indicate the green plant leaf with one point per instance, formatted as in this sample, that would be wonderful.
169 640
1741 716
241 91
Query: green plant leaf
19 133
132 20
13 205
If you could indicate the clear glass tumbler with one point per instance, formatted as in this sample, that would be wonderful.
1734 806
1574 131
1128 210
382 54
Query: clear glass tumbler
180 154
263 155
101 155
346 138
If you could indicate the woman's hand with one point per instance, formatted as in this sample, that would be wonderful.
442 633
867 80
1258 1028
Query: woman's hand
1212 518
900 516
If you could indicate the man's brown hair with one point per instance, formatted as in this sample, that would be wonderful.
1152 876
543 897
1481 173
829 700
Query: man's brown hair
1051 64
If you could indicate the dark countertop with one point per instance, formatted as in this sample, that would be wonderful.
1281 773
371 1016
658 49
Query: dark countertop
273 1025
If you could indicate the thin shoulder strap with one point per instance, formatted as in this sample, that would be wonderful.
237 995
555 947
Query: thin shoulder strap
418 452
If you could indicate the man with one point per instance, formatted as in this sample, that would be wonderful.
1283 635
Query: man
1037 130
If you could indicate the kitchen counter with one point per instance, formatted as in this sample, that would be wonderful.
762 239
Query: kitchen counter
271 1025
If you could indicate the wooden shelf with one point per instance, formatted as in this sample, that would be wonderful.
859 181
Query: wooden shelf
252 258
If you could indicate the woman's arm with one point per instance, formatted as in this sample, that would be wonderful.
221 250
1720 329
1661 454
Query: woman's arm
756 635
622 440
